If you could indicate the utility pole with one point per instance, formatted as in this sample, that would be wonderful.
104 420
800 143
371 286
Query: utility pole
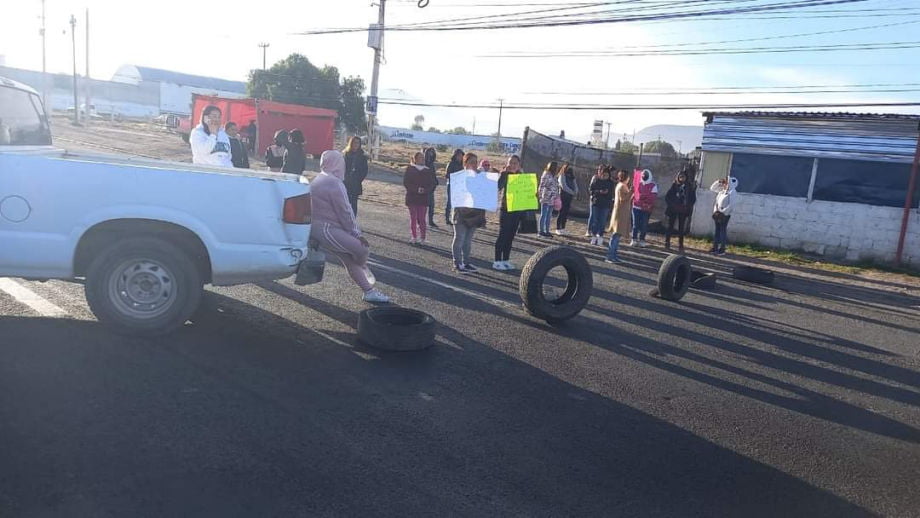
86 85
607 140
44 67
377 45
501 105
264 46
73 38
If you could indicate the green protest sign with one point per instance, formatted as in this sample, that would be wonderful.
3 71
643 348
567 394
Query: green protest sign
521 192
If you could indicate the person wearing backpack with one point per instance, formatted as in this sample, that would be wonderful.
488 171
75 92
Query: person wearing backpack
680 200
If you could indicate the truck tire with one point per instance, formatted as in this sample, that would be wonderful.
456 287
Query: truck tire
143 287
674 277
752 274
577 292
702 280
396 329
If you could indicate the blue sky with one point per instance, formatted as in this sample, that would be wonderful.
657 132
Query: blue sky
195 37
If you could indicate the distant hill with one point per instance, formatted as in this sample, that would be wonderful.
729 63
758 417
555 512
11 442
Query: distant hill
689 136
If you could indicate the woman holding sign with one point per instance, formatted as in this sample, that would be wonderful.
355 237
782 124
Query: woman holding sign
466 220
512 205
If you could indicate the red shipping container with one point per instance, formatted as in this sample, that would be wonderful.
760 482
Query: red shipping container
317 124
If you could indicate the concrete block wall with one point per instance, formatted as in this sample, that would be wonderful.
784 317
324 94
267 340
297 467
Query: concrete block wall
849 231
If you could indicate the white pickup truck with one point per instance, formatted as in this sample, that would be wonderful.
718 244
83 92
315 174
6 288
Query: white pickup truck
143 235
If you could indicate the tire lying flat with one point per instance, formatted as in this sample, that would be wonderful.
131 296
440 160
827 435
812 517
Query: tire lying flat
396 329
702 280
578 289
753 274
674 277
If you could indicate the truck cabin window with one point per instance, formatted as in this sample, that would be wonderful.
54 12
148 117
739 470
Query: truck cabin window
22 120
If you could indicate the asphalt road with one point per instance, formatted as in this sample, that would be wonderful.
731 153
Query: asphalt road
800 399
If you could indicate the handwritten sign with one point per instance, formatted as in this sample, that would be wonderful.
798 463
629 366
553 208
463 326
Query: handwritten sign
474 190
521 192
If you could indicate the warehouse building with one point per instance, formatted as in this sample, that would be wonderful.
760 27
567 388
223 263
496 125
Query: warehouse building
832 184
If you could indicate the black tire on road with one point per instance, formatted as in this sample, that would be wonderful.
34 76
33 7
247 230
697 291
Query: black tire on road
674 277
752 274
396 329
578 288
702 280
143 287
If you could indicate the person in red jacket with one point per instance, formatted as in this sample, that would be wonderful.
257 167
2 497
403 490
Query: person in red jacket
645 192
419 181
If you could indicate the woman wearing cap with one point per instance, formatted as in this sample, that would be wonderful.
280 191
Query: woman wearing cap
334 224
419 182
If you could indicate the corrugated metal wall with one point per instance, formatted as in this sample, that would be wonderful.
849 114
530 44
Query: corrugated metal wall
884 140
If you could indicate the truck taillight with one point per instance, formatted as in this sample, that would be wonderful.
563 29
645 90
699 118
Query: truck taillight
298 210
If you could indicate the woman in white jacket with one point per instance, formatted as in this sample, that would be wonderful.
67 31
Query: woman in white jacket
210 143
722 211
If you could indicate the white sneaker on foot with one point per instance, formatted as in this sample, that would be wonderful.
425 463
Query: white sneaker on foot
600 241
632 242
587 233
560 232
499 265
375 296
593 240
509 265
643 243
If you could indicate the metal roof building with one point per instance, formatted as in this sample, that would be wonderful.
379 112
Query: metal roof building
176 88
829 183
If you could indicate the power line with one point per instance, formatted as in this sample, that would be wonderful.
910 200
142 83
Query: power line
699 107
786 6
800 89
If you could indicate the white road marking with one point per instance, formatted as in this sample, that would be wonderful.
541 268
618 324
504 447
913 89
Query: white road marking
30 298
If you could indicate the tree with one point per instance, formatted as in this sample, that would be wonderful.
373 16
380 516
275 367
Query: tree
459 130
628 147
419 121
433 130
294 80
661 147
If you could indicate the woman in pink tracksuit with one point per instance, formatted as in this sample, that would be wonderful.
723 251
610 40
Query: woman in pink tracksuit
334 224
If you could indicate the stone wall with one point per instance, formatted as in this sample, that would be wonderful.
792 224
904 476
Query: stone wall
849 231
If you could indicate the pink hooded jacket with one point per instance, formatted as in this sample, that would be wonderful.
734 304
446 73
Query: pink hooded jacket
330 199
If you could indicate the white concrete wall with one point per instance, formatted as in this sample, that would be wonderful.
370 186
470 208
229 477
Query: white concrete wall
848 231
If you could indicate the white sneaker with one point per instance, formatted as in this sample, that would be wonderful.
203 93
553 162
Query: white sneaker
499 265
375 296
423 241
560 232
412 241
370 276
643 243
509 265
600 241
587 233
632 242
593 240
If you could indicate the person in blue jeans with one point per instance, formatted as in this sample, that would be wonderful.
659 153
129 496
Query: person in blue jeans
621 221
601 189
644 194
548 192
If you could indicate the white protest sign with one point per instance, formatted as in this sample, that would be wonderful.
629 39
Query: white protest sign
474 190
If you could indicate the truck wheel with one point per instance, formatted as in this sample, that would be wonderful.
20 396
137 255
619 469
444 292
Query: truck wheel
577 291
674 277
143 287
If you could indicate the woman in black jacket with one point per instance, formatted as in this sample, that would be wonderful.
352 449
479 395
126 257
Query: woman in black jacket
680 200
456 164
430 156
295 161
355 171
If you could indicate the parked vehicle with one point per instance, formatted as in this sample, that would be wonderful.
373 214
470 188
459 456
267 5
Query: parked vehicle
143 235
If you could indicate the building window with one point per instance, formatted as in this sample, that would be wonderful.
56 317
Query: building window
860 181
772 174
